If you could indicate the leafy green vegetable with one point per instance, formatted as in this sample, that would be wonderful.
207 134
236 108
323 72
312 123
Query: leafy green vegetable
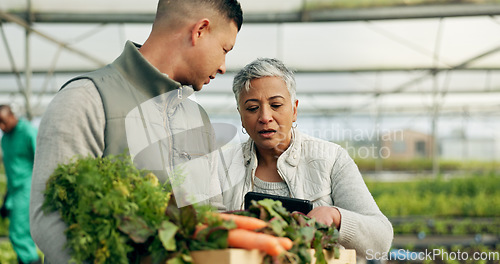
305 232
118 214
113 210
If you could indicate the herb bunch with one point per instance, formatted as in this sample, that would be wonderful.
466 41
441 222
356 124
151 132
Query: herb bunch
112 209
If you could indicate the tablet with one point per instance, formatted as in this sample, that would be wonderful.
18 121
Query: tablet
291 204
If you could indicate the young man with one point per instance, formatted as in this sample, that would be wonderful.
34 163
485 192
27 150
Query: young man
139 105
18 147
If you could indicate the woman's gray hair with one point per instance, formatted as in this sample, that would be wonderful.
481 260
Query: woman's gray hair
263 67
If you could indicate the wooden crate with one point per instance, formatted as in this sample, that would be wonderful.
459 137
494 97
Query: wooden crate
242 256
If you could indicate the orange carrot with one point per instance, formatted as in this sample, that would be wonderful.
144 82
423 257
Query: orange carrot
285 242
241 238
244 222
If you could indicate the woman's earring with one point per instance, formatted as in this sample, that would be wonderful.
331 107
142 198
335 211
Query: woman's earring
294 125
243 130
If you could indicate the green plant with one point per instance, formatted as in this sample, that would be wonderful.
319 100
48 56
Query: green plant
4 227
425 165
4 223
112 209
7 254
474 196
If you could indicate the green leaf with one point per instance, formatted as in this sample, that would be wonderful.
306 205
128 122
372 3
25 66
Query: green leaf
304 255
185 217
318 249
218 238
188 219
277 225
135 227
173 212
307 233
336 252
212 237
166 234
176 260
330 238
269 204
187 258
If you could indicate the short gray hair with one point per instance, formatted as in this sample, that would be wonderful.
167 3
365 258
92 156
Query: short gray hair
263 67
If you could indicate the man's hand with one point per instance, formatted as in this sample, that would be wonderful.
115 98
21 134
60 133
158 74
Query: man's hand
326 215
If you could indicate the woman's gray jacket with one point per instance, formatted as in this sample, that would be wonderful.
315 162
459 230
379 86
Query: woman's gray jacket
324 173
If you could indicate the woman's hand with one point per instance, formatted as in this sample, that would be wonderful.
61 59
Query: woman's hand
326 215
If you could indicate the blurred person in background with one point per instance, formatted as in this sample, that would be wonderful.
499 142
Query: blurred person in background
278 159
18 146
139 105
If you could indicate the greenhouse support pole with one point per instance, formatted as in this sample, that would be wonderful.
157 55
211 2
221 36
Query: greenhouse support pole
436 103
28 70
378 118
11 58
435 142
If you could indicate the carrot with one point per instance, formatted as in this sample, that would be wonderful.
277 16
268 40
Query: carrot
244 222
285 242
246 239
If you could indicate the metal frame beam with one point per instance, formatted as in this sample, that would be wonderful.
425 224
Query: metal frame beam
303 15
21 21
403 12
344 92
324 15
319 71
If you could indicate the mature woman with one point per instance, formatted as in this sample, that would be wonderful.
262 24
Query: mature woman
278 159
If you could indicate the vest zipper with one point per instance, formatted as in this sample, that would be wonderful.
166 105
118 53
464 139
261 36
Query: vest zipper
179 93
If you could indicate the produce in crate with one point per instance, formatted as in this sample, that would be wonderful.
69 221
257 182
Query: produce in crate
112 209
304 232
116 213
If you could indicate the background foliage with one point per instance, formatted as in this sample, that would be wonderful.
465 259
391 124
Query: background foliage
471 196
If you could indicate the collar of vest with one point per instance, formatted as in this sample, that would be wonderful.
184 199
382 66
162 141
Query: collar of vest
142 74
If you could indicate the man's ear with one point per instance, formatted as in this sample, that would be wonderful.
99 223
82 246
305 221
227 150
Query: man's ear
200 29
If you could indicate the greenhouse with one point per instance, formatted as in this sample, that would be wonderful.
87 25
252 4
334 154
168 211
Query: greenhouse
409 88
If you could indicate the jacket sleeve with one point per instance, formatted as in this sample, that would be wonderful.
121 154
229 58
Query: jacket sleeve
363 226
73 124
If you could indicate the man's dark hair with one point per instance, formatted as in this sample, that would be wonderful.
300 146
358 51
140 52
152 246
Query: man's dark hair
228 9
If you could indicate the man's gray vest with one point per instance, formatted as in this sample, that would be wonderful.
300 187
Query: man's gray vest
132 85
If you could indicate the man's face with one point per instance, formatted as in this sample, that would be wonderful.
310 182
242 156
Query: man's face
210 55
7 122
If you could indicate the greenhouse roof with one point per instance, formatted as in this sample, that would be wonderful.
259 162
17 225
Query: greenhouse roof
347 57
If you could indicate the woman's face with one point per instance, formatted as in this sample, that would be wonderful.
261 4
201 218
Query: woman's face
267 113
